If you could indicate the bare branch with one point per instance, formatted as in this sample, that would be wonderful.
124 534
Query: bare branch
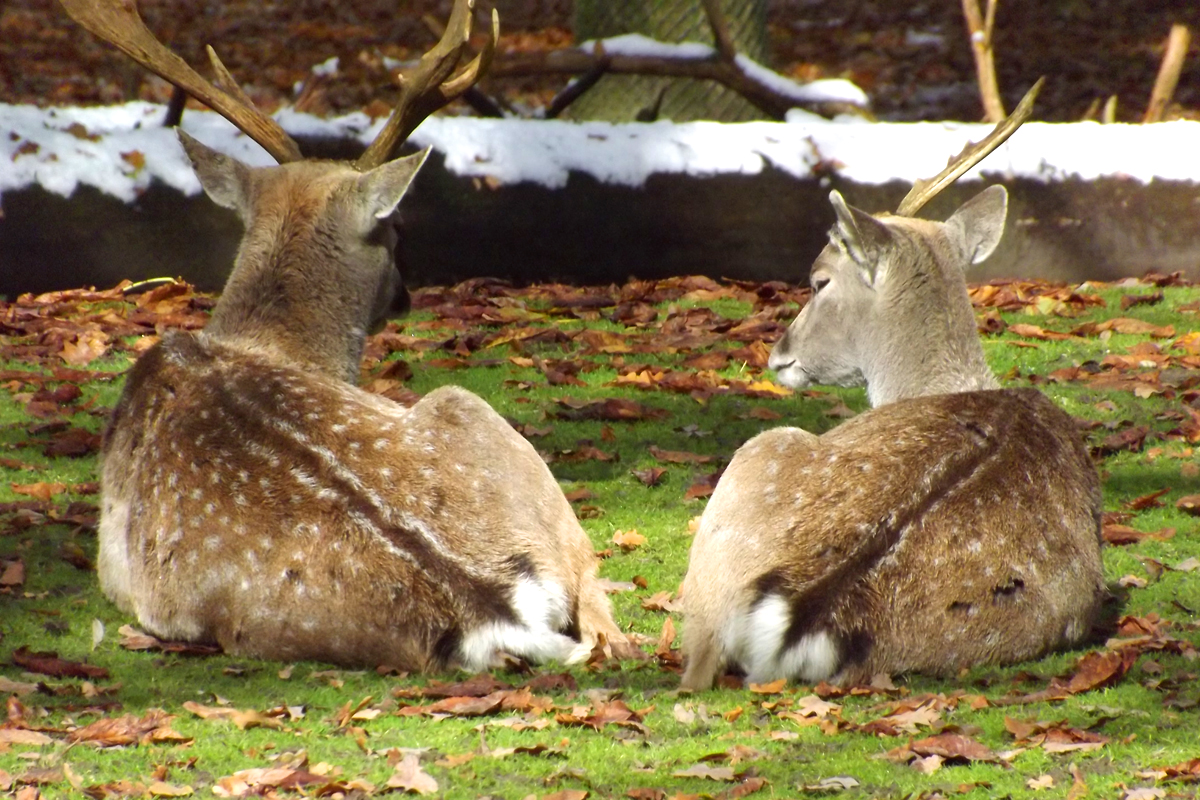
720 30
1109 115
576 88
575 61
1168 73
985 67
925 190
118 23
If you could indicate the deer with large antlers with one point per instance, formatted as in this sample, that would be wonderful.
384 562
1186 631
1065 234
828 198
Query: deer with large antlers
254 497
956 523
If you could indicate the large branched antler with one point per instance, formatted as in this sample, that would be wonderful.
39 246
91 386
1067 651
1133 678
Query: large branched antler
429 85
925 190
118 23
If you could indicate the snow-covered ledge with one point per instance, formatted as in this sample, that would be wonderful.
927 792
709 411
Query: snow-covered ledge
89 195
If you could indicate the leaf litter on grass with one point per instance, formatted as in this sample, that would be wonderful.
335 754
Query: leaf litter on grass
608 381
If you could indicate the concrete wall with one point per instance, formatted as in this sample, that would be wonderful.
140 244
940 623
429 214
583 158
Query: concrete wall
759 227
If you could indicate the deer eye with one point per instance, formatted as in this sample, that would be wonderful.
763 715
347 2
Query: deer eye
818 283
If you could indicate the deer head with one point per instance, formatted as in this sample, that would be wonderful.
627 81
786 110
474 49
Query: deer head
316 266
889 306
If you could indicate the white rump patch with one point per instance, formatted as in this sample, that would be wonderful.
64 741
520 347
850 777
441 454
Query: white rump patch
754 640
541 608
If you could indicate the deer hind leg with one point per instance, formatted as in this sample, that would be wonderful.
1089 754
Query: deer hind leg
595 619
703 654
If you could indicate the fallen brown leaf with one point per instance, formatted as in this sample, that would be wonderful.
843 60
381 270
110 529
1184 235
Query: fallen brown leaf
50 664
1189 504
409 777
628 540
128 730
706 772
243 719
652 476
41 490
1123 534
678 456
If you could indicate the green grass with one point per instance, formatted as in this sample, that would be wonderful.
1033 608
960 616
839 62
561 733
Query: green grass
1149 717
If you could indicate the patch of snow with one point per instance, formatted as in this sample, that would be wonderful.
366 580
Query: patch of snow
120 150
327 68
636 45
828 90
923 39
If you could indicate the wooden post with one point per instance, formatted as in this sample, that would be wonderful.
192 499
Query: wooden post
980 31
1168 73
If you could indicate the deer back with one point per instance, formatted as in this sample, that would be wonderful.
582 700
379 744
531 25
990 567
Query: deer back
922 535
286 515
889 306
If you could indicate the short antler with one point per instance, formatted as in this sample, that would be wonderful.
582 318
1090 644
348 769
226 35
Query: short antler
429 85
925 190
118 23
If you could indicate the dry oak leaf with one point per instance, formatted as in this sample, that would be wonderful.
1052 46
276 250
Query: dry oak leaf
951 746
133 639
611 713
1189 504
50 664
411 778
774 687
20 736
1036 332
1147 501
678 456
1040 782
87 347
666 638
652 476
1125 325
567 794
153 728
256 781
1100 668
21 688
242 719
642 793
1123 534
628 540
661 601
40 490
706 772
12 573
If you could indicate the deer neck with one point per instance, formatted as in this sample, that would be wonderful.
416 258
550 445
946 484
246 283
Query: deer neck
283 300
926 349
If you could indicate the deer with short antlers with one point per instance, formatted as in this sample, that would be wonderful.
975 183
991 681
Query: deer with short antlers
255 498
956 523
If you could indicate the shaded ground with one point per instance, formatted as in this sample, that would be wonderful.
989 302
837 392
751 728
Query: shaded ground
912 57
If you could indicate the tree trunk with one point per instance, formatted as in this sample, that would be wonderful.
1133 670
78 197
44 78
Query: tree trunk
623 98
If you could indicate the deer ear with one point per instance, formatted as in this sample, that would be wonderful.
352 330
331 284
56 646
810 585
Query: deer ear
979 223
225 179
383 187
864 236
